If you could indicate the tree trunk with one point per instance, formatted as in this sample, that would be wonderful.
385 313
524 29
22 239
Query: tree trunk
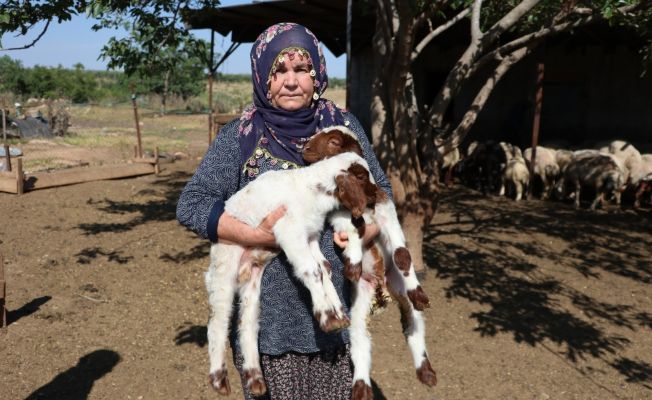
166 89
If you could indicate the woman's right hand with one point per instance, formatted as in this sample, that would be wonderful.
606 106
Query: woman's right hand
233 231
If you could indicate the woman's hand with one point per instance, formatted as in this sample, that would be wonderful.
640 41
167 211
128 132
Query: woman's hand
341 239
233 231
265 233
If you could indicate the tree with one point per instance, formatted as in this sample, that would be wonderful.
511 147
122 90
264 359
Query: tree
502 32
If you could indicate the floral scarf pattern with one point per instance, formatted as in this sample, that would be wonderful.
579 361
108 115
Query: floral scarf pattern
285 131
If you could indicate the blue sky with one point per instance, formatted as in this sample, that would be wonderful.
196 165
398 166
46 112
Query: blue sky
73 41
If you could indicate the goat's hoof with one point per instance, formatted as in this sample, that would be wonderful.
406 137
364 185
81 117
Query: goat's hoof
255 382
418 298
333 322
220 382
426 374
361 391
352 271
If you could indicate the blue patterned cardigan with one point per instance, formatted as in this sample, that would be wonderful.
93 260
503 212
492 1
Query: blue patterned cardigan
286 321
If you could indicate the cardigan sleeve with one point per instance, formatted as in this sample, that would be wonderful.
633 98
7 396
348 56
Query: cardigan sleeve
216 179
369 155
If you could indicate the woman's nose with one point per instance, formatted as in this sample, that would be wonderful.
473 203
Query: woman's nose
291 80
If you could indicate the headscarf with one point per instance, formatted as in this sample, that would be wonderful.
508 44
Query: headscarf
283 132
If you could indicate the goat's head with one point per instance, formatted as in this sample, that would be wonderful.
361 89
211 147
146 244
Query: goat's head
330 142
355 190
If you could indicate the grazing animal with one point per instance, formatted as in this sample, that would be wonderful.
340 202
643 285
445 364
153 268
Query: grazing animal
309 194
483 167
588 169
386 257
545 167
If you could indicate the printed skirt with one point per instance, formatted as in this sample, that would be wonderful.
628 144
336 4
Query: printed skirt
326 375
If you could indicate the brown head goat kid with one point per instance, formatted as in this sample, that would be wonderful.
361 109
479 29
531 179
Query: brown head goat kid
309 194
398 273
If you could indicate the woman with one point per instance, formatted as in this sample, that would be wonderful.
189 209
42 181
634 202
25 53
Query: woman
299 361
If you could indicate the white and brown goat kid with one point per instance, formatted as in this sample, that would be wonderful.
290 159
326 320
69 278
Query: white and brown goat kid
386 257
309 194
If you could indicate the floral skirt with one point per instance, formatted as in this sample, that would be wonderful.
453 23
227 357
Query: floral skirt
326 375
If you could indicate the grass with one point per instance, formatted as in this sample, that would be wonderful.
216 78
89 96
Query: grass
110 130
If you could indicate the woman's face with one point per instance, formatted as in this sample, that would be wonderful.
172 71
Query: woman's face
291 87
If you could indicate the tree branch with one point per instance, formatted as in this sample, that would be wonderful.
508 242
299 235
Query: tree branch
508 20
481 98
436 32
476 33
45 28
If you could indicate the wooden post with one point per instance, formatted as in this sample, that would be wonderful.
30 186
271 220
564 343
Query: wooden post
140 145
7 158
211 73
157 166
4 125
349 23
20 176
538 101
3 293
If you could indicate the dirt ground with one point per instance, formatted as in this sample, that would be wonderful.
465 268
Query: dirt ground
529 301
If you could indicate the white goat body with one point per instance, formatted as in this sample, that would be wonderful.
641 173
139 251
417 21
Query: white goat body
309 195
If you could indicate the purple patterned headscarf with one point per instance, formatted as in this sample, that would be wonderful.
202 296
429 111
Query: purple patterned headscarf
283 132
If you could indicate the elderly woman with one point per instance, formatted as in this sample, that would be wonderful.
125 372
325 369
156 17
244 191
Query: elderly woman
299 361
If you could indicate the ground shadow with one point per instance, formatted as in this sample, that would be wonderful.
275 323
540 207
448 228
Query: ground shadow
492 262
87 255
197 334
27 309
378 393
77 382
163 208
199 252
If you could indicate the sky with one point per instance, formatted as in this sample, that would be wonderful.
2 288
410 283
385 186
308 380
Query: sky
73 41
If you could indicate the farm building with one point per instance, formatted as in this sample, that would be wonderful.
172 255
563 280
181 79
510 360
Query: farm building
594 87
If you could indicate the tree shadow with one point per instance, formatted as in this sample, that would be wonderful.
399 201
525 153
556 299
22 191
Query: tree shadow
199 252
27 309
197 334
87 255
487 254
77 382
162 209
635 371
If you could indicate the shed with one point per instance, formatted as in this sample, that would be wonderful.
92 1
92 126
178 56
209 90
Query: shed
594 88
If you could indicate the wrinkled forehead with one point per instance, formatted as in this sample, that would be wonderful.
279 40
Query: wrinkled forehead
279 37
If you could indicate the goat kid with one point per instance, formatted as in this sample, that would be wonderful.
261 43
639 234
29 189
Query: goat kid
399 274
309 194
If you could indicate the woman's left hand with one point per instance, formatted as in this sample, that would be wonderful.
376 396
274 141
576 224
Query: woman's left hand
341 239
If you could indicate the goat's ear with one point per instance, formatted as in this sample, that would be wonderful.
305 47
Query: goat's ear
351 144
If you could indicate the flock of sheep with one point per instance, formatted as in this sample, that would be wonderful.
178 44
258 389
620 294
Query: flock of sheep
608 171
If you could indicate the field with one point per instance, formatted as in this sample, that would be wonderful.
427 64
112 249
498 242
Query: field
106 300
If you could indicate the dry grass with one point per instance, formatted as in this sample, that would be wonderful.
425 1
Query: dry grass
107 134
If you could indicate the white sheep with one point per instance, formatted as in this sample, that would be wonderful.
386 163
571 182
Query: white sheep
545 167
309 194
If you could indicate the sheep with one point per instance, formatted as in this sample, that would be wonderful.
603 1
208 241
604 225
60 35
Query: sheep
484 166
545 167
447 163
517 175
563 158
592 170
641 178
401 279
309 194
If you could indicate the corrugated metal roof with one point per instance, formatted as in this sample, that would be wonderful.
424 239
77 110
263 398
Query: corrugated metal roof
325 18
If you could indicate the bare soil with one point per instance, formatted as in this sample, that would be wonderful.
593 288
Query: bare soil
530 300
